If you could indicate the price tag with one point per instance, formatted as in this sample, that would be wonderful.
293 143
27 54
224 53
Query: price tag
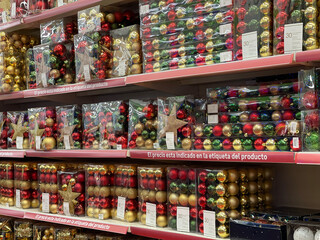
66 140
4 16
156 145
212 119
86 72
19 142
209 223
293 37
225 29
224 3
122 68
212 108
119 147
293 128
38 142
66 208
250 45
183 219
295 142
226 56
101 216
60 3
151 214
121 207
18 197
46 202
44 80
7 205
170 140
13 10
144 9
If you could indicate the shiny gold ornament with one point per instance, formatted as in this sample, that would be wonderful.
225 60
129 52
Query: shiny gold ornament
106 213
276 116
136 69
183 200
209 59
186 144
234 214
148 144
55 73
258 129
265 8
53 208
219 17
233 175
96 213
198 131
173 198
68 78
253 187
182 51
25 203
310 13
253 200
181 12
244 117
90 211
135 58
192 200
233 202
209 33
130 216
156 67
35 203
207 144
154 18
271 144
226 130
190 24
182 63
143 218
132 193
181 38
222 217
265 22
102 192
161 221
138 128
243 105
140 142
209 46
152 196
156 55
163 29
310 28
265 38
223 231
237 145
311 43
233 189
222 203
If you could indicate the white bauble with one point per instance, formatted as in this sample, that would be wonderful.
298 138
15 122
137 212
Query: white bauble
317 235
303 233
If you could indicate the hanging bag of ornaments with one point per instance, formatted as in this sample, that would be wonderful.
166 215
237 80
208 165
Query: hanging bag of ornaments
31 70
91 126
4 129
176 118
93 56
19 9
143 124
126 51
42 128
18 134
37 6
7 184
69 127
6 11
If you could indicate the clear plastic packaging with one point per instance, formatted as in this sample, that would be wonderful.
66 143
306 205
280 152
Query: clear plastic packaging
31 70
65 233
7 230
19 9
4 128
310 132
42 230
37 6
57 31
7 184
18 135
89 20
309 89
143 124
23 230
5 12
152 195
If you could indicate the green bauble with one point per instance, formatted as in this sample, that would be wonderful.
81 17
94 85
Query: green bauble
162 16
247 144
236 130
234 118
264 116
296 16
295 102
76 144
233 107
193 226
207 131
211 189
164 66
296 3
298 115
253 12
253 25
192 188
164 54
312 141
189 36
162 143
190 62
189 10
181 25
211 202
155 31
191 50
216 144
173 187
211 177
121 119
153 135
145 134
283 145
183 188
269 130
154 5
264 105
173 223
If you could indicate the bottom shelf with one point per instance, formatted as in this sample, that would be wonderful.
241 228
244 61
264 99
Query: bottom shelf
109 225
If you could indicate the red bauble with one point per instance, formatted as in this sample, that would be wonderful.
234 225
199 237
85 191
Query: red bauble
173 64
199 22
280 33
229 43
122 141
200 61
191 175
296 148
239 41
200 35
285 102
217 130
199 8
248 129
41 177
54 199
259 144
241 27
254 117
53 178
91 181
201 48
223 107
132 182
143 207
118 17
202 188
281 18
47 178
241 13
239 54
202 201
263 90
104 181
160 185
295 87
119 181
35 194
183 175
253 105
193 212
59 50
281 129
161 209
201 214
128 15
288 115
104 203
144 183
227 144
172 27
80 177
152 184
312 120
81 198
171 15
78 188
181 114
280 48
131 205
25 194
198 144
91 201
282 4
309 100
186 131
201 228
224 118
232 93
173 211
173 174
79 210
25 176
202 176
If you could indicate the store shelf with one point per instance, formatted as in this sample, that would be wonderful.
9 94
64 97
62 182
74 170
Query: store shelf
308 56
216 156
307 158
12 212
78 153
12 153
13 95
10 25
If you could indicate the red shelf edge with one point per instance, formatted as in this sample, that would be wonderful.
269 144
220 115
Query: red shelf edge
13 23
235 66
78 153
308 56
11 213
13 95
307 158
12 153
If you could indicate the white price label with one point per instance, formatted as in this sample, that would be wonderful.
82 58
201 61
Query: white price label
101 216
213 119
44 80
45 202
226 56
144 9
66 141
293 37
38 142
212 108
209 223
156 145
170 140
86 72
19 142
224 3
183 219
121 207
151 214
7 205
13 10
250 45
295 142
293 128
66 209
60 3
119 147
4 16
122 68
225 29
18 198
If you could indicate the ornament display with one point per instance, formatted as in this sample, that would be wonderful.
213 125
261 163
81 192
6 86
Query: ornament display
71 191
37 6
6 228
105 125
288 14
23 230
43 231
56 3
126 51
7 184
63 232
13 50
4 129
181 188
152 194
143 124
5 11
180 35
93 56
18 135
42 128
21 10
26 185
31 72
99 181
57 31
176 117
125 200
69 120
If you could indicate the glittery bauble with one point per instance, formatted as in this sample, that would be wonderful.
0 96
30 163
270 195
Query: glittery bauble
244 117
271 144
312 141
186 144
275 103
309 100
243 105
303 233
237 145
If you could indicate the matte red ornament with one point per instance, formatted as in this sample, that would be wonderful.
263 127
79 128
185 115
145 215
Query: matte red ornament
280 33
285 102
144 183
253 105
288 115
223 107
53 178
54 199
78 188
263 90
132 182
79 210
224 118
160 185
282 17
172 27
131 204
295 87
152 184
241 13
104 181
173 173
80 177
241 27
183 175
191 175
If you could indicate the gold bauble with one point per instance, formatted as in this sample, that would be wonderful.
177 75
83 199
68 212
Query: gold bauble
233 189
54 188
10 201
144 195
233 175
223 231
233 202
152 196
106 213
226 130
96 213
48 143
161 196
275 103
35 203
265 51
25 185
243 105
252 174
222 217
9 183
276 116
192 200
124 191
132 193
143 218
186 144
25 203
271 144
183 200
207 145
96 191
68 78
114 213
49 122
253 187
253 200
130 216
237 144
265 22
161 221
311 43
234 214
198 131
258 129
265 7
53 208
104 192
267 185
55 73
140 142
148 144
136 69
173 198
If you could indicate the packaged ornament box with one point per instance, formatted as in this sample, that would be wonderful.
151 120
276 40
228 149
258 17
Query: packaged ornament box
18 135
23 229
4 128
7 184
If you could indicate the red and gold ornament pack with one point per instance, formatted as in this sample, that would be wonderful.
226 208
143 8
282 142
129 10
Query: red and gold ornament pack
7 184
